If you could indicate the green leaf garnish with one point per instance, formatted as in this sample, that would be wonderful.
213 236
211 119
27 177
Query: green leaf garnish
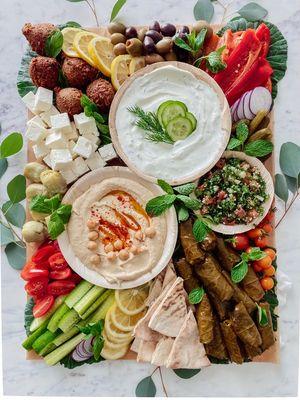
182 214
242 131
192 204
213 61
259 148
204 10
91 110
281 188
239 271
165 186
16 189
116 9
160 204
200 230
262 316
185 189
253 12
55 226
54 44
233 143
193 42
196 295
255 254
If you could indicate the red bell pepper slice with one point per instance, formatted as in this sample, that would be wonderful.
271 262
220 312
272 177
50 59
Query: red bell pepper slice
264 35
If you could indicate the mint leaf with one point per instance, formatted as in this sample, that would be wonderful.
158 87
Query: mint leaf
160 204
259 148
239 271
233 144
242 131
165 186
97 347
64 211
255 254
182 214
44 205
182 44
53 203
185 189
55 225
200 230
200 39
193 204
262 316
54 44
196 295
214 61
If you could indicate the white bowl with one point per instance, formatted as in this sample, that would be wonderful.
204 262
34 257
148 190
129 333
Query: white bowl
81 186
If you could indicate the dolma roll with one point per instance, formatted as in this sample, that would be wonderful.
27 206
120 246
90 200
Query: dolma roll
240 295
220 307
251 351
210 242
185 270
266 332
231 342
252 286
227 257
205 320
212 278
193 253
216 348
245 327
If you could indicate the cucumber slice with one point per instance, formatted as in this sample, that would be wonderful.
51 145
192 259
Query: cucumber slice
81 289
179 128
192 118
60 352
47 349
56 317
69 320
173 110
88 299
161 109
27 344
43 340
96 304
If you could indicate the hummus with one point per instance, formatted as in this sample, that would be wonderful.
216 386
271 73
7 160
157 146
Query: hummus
110 231
185 157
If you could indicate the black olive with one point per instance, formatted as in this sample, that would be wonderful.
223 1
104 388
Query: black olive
149 45
155 36
130 32
155 26
184 29
168 29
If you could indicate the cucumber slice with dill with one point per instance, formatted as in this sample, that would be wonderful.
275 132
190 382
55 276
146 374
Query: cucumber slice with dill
179 128
172 110
192 118
161 109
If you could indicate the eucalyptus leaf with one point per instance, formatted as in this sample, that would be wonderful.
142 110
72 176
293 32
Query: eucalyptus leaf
186 373
16 189
3 166
281 189
11 145
69 24
292 183
24 82
146 388
75 1
6 236
204 10
14 213
253 12
16 255
289 159
116 9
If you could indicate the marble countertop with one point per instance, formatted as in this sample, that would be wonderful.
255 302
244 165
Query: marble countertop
119 378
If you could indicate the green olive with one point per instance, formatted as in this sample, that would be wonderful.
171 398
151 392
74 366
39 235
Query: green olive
170 56
117 38
142 34
164 45
257 120
116 27
265 134
153 58
120 49
134 47
199 25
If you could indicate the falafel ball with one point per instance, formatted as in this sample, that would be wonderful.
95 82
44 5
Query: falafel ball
44 72
101 92
37 35
78 72
68 100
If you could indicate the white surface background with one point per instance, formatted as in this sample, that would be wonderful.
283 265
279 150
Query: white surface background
119 378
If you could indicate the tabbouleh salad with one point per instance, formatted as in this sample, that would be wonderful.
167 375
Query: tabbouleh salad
232 193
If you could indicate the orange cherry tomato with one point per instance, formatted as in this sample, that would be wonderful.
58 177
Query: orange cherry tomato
248 250
265 262
261 242
256 267
267 228
267 283
271 253
255 233
270 271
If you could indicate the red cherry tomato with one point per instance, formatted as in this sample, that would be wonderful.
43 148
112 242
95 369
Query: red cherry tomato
248 250
265 262
267 283
37 287
75 278
57 261
42 306
56 288
255 233
261 242
43 253
267 228
61 274
240 242
256 267
31 270
43 265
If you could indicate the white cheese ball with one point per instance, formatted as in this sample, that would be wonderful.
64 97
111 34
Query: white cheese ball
33 231
54 182
33 170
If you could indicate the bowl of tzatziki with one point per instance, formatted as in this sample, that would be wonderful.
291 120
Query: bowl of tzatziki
170 121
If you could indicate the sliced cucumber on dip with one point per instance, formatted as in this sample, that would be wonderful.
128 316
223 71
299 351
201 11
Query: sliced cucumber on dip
161 109
179 128
192 118
172 110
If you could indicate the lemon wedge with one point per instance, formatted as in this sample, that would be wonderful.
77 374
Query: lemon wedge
101 51
123 321
115 341
114 352
68 36
132 301
136 63
120 70
81 42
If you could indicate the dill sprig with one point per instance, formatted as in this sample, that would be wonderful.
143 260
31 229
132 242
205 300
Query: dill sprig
149 122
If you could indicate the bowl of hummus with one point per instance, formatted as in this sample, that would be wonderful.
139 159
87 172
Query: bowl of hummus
110 240
149 89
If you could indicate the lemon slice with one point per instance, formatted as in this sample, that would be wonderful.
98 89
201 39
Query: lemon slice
123 321
114 352
120 70
69 35
81 42
101 51
132 301
113 333
113 341
136 63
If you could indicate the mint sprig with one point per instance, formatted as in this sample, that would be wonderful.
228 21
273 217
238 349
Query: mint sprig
95 330
239 271
213 61
193 42
196 295
262 316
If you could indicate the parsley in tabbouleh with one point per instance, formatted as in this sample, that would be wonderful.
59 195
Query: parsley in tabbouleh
232 193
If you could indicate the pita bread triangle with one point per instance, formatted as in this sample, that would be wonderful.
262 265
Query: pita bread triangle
170 275
162 351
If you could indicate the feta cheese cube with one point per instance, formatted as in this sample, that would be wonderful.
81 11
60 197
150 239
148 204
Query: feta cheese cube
95 161
79 166
61 122
68 175
84 147
60 159
36 120
43 99
47 160
85 124
72 134
94 139
45 116
36 133
40 150
29 100
107 152
56 140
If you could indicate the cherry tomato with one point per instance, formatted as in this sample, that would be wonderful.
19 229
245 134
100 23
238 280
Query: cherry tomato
240 242
261 242
43 265
255 233
75 278
270 271
31 270
43 253
42 306
248 250
37 287
271 253
267 283
57 261
61 274
56 288
265 262
267 228
256 267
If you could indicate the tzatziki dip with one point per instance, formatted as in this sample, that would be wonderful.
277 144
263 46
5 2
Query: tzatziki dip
185 159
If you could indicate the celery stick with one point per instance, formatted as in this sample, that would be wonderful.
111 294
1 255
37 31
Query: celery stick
56 317
37 322
88 299
102 310
68 320
81 289
96 304
47 349
56 355
43 340
28 342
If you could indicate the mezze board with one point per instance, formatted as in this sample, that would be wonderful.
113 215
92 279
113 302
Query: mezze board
271 355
